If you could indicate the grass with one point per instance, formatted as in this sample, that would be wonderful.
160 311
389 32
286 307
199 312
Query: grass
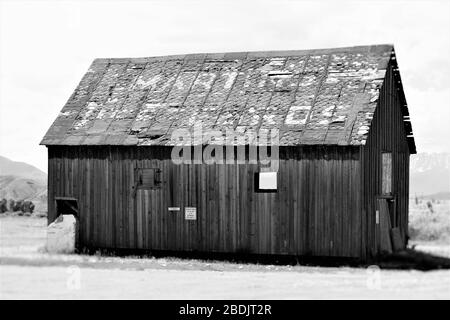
429 221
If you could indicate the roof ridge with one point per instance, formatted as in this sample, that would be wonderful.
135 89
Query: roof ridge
251 54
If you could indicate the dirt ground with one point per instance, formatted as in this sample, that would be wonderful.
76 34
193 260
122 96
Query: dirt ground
28 272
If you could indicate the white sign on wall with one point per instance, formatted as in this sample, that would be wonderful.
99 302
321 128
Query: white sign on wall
190 213
174 208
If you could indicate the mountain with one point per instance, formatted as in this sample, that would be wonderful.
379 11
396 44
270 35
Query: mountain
21 181
18 188
429 174
439 196
21 169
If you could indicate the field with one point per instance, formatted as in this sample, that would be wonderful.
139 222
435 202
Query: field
429 220
27 271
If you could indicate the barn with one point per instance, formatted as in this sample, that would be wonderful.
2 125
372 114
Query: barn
290 153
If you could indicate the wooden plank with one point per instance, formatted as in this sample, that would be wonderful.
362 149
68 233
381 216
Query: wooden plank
397 241
385 227
139 218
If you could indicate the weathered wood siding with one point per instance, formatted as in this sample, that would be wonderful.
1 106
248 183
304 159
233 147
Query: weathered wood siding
387 134
316 211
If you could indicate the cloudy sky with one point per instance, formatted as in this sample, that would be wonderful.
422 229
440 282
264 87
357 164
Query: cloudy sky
46 47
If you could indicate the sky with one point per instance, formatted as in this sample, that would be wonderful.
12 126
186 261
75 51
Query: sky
47 46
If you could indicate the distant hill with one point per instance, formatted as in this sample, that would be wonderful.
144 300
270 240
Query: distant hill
18 188
439 196
22 181
21 169
429 174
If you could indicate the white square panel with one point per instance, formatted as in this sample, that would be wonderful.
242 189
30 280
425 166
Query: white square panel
268 180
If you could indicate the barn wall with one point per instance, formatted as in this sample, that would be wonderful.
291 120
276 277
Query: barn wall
387 134
317 210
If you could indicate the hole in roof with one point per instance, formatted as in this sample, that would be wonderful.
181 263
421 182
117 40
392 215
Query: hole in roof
155 136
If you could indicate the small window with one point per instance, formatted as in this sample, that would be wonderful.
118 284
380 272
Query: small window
149 178
66 205
266 182
386 173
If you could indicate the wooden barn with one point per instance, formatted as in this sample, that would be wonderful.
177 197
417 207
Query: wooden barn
339 187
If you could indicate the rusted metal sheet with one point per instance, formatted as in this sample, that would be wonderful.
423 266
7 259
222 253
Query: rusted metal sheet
313 97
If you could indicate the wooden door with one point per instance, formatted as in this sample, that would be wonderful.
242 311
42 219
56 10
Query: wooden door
383 226
147 208
143 219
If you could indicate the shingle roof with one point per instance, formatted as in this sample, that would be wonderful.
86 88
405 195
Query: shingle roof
324 96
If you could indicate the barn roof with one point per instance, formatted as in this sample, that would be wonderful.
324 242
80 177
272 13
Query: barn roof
325 97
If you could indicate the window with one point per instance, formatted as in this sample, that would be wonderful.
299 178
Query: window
65 205
386 173
266 182
149 178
